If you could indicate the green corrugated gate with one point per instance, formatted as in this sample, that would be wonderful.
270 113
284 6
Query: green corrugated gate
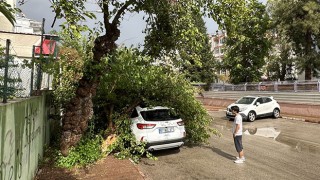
24 130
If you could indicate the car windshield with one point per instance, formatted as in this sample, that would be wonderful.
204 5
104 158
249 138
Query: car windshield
245 100
159 115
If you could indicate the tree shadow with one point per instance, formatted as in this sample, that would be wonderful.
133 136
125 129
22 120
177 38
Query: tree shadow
220 152
214 149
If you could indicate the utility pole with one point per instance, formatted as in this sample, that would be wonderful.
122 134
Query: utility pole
39 78
32 70
5 90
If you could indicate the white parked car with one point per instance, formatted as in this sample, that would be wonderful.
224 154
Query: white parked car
159 127
252 107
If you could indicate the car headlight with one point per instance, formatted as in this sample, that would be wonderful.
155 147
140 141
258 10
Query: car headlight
243 109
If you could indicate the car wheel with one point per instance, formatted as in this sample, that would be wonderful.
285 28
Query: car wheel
251 116
276 113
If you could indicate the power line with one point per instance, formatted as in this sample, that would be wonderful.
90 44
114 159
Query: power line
3 39
12 48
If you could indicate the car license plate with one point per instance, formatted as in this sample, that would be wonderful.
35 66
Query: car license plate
166 130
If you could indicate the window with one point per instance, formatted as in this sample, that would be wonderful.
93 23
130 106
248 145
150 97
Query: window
159 115
216 42
259 100
222 41
134 114
245 100
266 100
216 51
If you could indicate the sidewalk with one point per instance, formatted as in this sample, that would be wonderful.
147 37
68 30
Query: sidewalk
109 168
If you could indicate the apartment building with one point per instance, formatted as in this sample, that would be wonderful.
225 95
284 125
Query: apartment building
217 41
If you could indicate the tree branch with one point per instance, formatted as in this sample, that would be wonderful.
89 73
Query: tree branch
135 103
105 10
116 19
54 21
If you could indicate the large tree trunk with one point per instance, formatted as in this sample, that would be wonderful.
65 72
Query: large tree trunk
308 73
109 111
77 114
283 71
80 109
308 70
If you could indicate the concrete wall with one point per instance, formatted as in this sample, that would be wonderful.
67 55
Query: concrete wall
5 24
21 43
24 131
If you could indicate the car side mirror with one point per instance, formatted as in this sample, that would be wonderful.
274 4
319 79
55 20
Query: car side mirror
257 103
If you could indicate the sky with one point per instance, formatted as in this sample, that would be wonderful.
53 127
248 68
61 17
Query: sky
131 27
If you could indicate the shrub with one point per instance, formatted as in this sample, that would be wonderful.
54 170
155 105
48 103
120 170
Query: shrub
86 152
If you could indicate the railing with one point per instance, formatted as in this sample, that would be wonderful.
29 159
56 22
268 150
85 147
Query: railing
275 86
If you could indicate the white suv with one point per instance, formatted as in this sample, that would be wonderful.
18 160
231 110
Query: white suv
252 107
159 127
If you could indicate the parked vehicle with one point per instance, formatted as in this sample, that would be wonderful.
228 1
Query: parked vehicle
252 107
159 127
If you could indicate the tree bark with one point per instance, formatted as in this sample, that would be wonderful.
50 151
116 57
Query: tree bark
308 73
80 109
109 116
308 70
77 114
283 71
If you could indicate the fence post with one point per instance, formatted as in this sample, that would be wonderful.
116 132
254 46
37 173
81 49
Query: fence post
295 86
32 70
39 68
259 86
245 87
6 67
318 85
276 86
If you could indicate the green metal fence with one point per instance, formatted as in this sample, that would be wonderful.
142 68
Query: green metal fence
19 77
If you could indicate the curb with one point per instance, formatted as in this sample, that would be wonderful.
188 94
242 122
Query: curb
309 120
137 168
293 118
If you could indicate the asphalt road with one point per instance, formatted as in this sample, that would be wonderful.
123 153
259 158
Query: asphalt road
274 149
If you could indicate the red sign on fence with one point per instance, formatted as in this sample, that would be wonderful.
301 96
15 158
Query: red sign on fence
48 47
